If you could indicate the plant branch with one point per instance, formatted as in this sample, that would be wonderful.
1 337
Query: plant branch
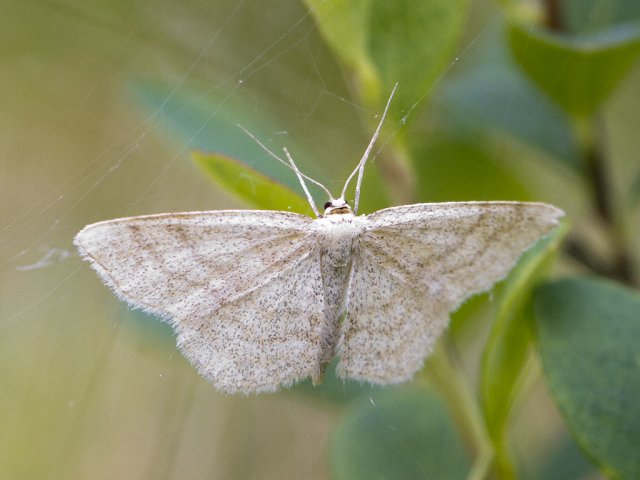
580 252
452 385
590 137
554 15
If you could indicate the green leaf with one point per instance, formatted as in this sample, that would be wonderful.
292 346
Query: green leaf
588 332
578 72
456 170
412 42
494 97
344 26
208 123
212 125
251 186
507 348
406 41
398 433
594 15
562 459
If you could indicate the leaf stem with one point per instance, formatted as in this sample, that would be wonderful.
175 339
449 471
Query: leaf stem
448 379
590 133
554 18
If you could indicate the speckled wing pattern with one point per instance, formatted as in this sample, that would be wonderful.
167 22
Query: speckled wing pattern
416 263
230 282
256 297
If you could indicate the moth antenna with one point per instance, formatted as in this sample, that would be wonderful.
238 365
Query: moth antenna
291 165
360 167
302 183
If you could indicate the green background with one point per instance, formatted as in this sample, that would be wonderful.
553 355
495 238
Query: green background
101 106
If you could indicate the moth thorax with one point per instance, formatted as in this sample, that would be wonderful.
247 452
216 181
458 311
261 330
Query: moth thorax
335 207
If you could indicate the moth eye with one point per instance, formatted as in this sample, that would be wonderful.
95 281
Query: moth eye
327 205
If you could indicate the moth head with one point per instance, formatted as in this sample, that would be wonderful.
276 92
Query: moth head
336 206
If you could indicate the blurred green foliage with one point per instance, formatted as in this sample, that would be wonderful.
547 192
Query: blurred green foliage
398 433
412 43
508 100
587 332
578 72
507 350
250 185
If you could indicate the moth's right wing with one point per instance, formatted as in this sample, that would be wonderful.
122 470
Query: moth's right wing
416 263
242 289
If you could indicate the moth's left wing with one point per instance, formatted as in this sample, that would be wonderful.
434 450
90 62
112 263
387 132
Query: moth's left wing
242 289
416 263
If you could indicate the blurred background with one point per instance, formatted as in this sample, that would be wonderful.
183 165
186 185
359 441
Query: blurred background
101 104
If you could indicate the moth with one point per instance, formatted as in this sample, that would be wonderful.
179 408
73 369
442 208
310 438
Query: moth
263 299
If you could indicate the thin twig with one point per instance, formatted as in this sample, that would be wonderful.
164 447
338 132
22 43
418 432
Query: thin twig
449 380
604 203
590 135
554 18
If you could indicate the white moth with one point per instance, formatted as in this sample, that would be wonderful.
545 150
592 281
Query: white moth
261 299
